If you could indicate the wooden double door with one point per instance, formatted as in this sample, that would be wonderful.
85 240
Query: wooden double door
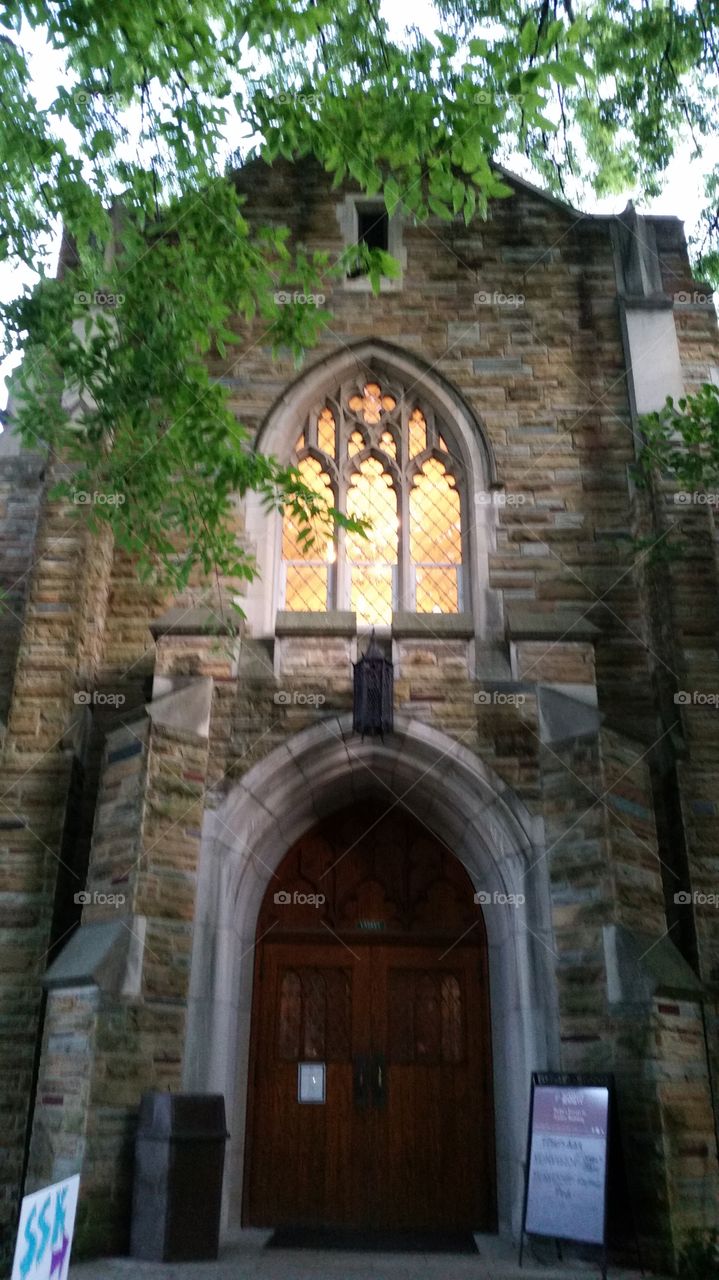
370 1096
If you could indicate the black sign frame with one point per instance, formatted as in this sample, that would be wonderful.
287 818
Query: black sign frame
571 1080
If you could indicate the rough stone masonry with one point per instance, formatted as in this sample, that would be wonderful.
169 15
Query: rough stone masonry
550 331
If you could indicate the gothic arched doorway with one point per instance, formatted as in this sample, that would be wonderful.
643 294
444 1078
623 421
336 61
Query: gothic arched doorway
370 1099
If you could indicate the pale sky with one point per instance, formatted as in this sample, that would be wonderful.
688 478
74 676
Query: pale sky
681 195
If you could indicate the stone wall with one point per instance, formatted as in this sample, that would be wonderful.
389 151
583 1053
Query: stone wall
142 881
577 643
63 611
20 498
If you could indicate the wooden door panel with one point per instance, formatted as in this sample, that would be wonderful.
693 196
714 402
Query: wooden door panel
302 1170
435 1127
376 972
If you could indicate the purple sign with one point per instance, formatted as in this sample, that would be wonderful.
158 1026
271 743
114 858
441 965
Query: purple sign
567 1162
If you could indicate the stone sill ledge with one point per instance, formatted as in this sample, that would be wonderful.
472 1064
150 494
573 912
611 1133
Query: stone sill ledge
196 620
336 622
432 626
567 626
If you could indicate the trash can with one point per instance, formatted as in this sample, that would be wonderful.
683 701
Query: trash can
177 1193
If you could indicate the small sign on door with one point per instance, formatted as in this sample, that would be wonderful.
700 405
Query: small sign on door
310 1081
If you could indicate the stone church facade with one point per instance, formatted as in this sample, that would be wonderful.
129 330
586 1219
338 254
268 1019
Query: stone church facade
552 773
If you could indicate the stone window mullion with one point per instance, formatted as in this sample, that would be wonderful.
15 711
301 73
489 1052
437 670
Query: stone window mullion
406 584
342 574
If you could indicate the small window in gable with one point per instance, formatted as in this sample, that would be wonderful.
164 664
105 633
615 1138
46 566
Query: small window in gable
372 230
373 226
364 220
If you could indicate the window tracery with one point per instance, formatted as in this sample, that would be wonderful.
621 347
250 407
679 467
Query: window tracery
378 454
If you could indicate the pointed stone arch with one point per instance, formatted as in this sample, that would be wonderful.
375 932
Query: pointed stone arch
457 796
374 357
468 439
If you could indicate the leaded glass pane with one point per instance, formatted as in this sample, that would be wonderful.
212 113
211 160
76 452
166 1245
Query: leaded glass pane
306 588
417 433
436 589
372 593
372 403
307 558
435 538
372 558
387 443
326 433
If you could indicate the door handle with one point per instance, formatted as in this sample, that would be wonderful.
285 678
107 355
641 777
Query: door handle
369 1080
361 1077
379 1080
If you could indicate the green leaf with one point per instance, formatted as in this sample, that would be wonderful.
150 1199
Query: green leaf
528 35
392 195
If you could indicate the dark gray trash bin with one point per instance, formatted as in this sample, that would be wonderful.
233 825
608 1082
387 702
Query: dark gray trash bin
177 1193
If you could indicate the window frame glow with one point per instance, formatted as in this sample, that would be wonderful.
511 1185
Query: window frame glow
401 469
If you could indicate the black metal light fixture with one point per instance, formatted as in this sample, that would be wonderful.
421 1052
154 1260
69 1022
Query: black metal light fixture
372 710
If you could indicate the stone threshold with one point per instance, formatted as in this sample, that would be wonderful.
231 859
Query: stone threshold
243 1256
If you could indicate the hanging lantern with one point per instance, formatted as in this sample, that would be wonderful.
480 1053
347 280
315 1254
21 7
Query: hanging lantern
373 692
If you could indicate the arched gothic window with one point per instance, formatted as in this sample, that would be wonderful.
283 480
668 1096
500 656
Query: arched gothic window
378 454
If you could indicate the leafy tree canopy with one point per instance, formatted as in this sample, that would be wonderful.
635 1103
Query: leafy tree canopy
130 156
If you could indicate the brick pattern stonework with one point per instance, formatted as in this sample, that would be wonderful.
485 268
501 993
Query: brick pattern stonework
547 380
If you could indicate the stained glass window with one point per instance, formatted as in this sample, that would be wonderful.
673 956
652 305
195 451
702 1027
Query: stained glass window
382 457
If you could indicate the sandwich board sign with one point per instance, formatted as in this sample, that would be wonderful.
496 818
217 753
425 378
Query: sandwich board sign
565 1192
44 1238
